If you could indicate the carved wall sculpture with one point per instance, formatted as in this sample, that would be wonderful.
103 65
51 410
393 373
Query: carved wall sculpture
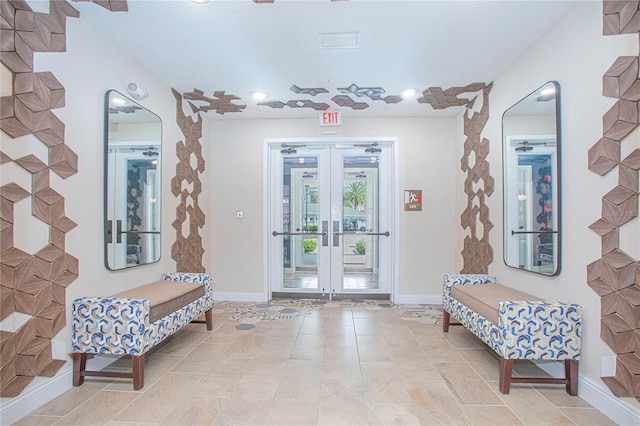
615 277
187 250
33 285
477 253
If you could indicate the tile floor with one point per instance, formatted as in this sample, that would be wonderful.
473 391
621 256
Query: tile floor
315 363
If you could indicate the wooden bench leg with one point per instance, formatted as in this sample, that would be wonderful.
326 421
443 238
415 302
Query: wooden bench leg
446 317
137 364
209 319
79 365
506 368
571 374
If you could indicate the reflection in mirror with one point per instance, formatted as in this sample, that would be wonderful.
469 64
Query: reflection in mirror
133 146
531 172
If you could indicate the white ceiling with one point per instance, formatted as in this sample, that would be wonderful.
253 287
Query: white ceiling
239 47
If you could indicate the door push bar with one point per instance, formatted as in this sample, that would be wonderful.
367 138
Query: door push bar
384 234
275 233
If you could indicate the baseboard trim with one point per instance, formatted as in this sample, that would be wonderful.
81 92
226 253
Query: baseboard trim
420 299
617 409
38 394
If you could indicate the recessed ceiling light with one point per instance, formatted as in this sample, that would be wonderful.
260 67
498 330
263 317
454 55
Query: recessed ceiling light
259 96
118 101
408 93
548 91
201 1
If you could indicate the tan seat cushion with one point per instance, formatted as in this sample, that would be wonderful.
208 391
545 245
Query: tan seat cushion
165 296
484 299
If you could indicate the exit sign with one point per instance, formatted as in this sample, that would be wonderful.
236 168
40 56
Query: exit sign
330 118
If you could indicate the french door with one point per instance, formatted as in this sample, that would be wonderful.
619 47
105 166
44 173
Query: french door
330 220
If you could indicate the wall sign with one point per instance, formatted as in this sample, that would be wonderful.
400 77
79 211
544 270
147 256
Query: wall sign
330 118
413 200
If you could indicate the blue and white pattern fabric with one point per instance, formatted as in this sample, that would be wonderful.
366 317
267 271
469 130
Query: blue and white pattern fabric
120 326
525 330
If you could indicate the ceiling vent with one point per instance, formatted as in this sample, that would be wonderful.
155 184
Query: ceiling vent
339 41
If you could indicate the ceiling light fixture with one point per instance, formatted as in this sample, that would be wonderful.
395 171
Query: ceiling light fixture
201 1
118 101
408 93
259 96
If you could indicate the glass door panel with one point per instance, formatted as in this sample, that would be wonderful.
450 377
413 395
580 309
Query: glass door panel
360 222
300 222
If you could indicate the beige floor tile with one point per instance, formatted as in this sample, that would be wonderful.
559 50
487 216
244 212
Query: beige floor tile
367 327
68 401
241 417
558 396
194 410
438 349
301 381
245 346
99 409
156 402
284 413
346 387
532 408
420 329
392 414
491 415
587 417
338 411
483 361
467 385
314 325
461 338
202 359
33 420
219 385
155 367
434 403
309 347
185 341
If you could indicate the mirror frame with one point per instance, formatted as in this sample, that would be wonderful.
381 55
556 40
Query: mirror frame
110 229
555 187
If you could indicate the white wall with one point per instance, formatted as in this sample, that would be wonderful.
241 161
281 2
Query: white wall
91 66
576 55
426 156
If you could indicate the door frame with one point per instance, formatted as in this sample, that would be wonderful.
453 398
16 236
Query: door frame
395 208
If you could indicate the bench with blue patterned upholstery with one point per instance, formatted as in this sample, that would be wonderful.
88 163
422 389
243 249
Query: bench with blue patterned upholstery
516 325
134 321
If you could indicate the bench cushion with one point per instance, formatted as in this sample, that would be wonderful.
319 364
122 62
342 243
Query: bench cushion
484 299
164 297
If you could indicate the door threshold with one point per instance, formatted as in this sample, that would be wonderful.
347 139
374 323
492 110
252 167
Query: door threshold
325 296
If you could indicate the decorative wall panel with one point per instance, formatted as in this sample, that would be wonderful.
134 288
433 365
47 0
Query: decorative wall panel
188 250
33 284
477 253
615 277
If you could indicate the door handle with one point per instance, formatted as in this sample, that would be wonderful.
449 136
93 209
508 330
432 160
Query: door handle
336 236
325 233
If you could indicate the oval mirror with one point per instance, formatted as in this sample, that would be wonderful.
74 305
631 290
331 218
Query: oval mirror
531 181
133 146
